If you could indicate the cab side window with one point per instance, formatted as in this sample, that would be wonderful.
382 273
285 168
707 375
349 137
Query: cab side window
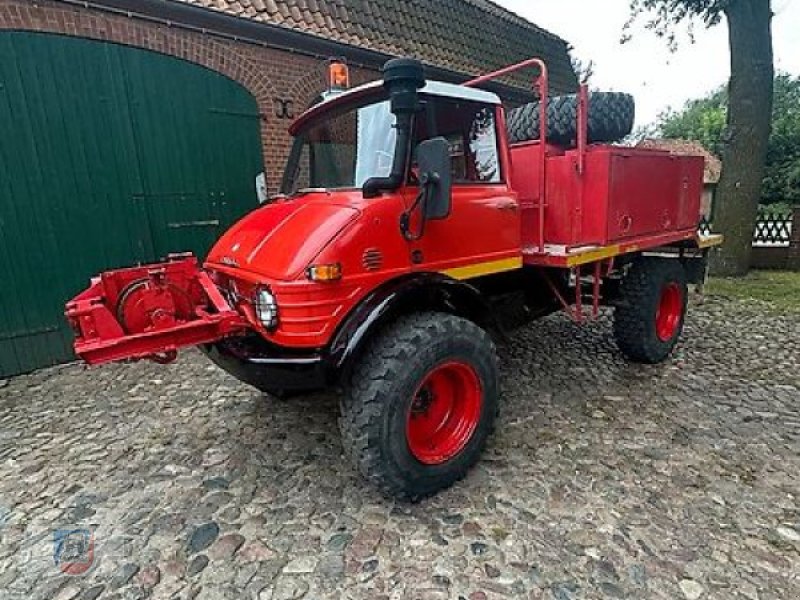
471 130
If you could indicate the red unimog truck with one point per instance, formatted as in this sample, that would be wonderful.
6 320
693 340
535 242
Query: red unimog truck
419 220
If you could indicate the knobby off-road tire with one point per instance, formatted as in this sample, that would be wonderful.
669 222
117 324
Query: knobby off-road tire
408 368
649 319
611 118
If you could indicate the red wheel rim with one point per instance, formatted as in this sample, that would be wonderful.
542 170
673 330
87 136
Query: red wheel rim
669 312
444 413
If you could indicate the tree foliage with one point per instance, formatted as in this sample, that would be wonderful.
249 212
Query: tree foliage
704 120
661 16
700 120
584 70
782 180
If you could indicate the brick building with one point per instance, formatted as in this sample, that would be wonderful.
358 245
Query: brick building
133 128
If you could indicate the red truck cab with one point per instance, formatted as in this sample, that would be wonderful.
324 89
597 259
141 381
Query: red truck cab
324 221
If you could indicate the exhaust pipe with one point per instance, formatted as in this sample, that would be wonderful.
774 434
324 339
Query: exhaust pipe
402 78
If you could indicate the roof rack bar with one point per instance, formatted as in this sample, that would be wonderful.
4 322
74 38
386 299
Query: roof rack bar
542 85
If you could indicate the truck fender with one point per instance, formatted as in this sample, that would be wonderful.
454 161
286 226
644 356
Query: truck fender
404 295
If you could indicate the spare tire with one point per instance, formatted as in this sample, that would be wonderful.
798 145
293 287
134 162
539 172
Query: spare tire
611 117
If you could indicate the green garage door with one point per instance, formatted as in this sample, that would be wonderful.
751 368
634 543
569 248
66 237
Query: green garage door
109 156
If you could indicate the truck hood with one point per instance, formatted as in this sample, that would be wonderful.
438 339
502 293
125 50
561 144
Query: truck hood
279 241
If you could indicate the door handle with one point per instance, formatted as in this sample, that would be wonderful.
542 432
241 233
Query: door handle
506 205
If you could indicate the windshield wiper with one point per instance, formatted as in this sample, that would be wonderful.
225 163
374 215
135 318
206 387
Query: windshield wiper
306 191
282 197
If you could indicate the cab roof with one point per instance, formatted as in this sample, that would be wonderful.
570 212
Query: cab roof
432 88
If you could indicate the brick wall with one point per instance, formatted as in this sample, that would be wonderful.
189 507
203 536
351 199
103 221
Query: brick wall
274 77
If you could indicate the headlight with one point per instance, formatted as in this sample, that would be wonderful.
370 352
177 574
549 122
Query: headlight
266 308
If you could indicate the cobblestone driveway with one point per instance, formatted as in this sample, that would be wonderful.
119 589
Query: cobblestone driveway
604 480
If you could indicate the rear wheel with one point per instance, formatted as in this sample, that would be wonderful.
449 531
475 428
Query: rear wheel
420 405
648 321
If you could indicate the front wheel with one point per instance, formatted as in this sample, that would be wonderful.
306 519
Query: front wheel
649 319
421 404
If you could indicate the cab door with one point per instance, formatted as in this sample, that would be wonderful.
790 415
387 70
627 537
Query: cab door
481 236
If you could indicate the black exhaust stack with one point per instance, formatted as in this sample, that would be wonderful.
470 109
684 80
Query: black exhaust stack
402 78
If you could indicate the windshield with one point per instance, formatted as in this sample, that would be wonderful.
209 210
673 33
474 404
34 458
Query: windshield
343 149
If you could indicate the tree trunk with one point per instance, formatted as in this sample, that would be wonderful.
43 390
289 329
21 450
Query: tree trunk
747 134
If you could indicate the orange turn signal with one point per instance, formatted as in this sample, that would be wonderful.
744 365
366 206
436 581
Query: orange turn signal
338 75
324 273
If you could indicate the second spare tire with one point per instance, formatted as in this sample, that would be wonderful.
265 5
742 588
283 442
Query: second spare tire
611 118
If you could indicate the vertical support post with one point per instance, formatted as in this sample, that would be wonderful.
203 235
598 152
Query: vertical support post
578 295
543 87
583 126
596 288
793 260
700 288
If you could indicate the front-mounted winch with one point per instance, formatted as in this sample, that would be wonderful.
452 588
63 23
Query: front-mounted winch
416 224
150 312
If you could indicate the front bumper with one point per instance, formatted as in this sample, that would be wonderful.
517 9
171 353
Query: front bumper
269 368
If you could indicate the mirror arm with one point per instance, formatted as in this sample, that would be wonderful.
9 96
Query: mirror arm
405 218
427 180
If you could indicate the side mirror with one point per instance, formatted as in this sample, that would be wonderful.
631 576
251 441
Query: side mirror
435 177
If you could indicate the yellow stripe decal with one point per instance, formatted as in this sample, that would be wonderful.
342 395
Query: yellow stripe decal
484 268
595 255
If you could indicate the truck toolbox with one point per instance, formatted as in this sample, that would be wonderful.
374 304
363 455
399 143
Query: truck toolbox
623 193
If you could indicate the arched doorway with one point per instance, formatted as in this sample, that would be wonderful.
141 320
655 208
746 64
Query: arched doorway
110 155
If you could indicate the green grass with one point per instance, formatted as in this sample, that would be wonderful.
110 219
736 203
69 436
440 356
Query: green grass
779 288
